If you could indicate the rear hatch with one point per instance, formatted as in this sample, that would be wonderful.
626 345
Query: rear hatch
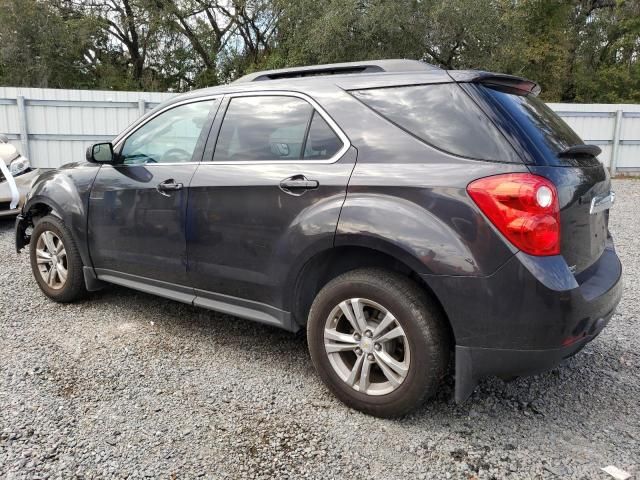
550 148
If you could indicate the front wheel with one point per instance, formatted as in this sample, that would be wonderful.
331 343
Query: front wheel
378 342
55 261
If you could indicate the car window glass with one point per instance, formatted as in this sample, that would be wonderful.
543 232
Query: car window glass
322 142
168 138
441 115
543 132
263 128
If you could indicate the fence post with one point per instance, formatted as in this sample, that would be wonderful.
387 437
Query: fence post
24 130
616 143
142 107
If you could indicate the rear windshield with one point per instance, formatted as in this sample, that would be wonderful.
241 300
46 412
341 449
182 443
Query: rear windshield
443 116
543 133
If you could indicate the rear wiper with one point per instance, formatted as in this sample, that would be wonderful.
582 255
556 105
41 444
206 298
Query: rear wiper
583 149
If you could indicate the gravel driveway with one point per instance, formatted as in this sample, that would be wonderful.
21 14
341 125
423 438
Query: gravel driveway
130 385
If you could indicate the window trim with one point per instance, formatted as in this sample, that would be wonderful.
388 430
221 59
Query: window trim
346 144
120 140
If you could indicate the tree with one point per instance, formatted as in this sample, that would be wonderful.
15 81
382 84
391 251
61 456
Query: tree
578 50
43 46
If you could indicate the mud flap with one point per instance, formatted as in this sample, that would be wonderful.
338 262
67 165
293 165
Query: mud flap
91 281
466 382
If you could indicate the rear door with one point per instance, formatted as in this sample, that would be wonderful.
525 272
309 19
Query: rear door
584 185
267 194
137 208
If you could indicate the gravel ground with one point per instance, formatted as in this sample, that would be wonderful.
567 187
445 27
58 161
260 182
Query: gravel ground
130 385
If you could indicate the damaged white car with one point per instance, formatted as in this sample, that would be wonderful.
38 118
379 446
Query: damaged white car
16 176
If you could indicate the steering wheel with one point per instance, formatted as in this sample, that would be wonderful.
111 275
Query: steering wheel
175 155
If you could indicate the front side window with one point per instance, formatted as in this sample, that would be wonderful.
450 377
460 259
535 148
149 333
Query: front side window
272 128
441 115
168 138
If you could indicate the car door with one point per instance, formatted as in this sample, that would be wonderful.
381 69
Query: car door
267 195
137 206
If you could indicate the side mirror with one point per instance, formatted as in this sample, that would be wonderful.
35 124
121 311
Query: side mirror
100 153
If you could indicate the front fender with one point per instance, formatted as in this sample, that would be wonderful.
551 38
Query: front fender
64 192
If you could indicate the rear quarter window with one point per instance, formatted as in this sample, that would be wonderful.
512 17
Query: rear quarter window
443 116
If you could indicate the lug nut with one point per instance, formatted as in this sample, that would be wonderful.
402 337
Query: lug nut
357 336
370 357
368 333
377 346
358 351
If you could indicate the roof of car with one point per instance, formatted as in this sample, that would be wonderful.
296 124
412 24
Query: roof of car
350 76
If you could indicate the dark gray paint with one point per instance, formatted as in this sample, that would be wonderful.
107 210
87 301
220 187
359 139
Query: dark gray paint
234 241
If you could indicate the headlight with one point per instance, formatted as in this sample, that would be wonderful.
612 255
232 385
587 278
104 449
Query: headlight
19 165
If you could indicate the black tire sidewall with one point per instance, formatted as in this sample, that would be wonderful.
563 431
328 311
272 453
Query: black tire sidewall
416 320
73 288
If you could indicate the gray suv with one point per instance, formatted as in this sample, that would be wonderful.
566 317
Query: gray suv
395 211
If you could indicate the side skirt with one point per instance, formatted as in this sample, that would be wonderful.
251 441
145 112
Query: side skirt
238 307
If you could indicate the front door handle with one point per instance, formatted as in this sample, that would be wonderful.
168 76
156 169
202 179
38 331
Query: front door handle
168 186
297 185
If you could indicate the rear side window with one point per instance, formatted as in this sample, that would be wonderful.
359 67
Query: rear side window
272 128
263 128
441 115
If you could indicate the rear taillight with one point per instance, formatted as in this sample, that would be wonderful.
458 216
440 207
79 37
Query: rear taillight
524 207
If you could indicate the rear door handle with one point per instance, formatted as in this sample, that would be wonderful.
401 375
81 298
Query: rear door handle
168 186
298 184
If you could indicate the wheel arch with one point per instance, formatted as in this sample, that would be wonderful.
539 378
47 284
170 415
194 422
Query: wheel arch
327 264
40 206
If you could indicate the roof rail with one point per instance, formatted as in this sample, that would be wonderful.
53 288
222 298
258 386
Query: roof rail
373 66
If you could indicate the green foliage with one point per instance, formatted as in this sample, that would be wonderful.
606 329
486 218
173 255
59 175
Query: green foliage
41 46
578 50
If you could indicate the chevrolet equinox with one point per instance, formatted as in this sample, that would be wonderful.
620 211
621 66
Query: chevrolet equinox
396 211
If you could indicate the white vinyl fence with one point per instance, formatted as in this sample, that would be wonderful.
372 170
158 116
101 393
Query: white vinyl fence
615 128
54 127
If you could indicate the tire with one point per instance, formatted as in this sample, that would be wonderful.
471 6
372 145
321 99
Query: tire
421 354
50 233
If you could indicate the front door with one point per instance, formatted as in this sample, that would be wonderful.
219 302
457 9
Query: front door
269 195
137 207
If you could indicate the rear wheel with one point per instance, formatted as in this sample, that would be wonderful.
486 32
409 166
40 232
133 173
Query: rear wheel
378 341
55 261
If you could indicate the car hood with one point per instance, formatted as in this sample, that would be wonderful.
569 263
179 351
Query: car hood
8 153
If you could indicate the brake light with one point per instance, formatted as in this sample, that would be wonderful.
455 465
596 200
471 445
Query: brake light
524 207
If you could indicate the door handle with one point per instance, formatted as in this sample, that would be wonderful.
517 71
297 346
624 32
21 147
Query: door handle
168 186
298 184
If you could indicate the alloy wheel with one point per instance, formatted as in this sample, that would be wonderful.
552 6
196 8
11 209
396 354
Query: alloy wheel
366 346
51 257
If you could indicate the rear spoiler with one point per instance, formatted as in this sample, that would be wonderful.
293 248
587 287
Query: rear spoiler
501 81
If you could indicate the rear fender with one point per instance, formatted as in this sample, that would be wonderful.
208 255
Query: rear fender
449 238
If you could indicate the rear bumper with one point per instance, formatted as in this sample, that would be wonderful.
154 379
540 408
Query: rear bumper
474 363
528 316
